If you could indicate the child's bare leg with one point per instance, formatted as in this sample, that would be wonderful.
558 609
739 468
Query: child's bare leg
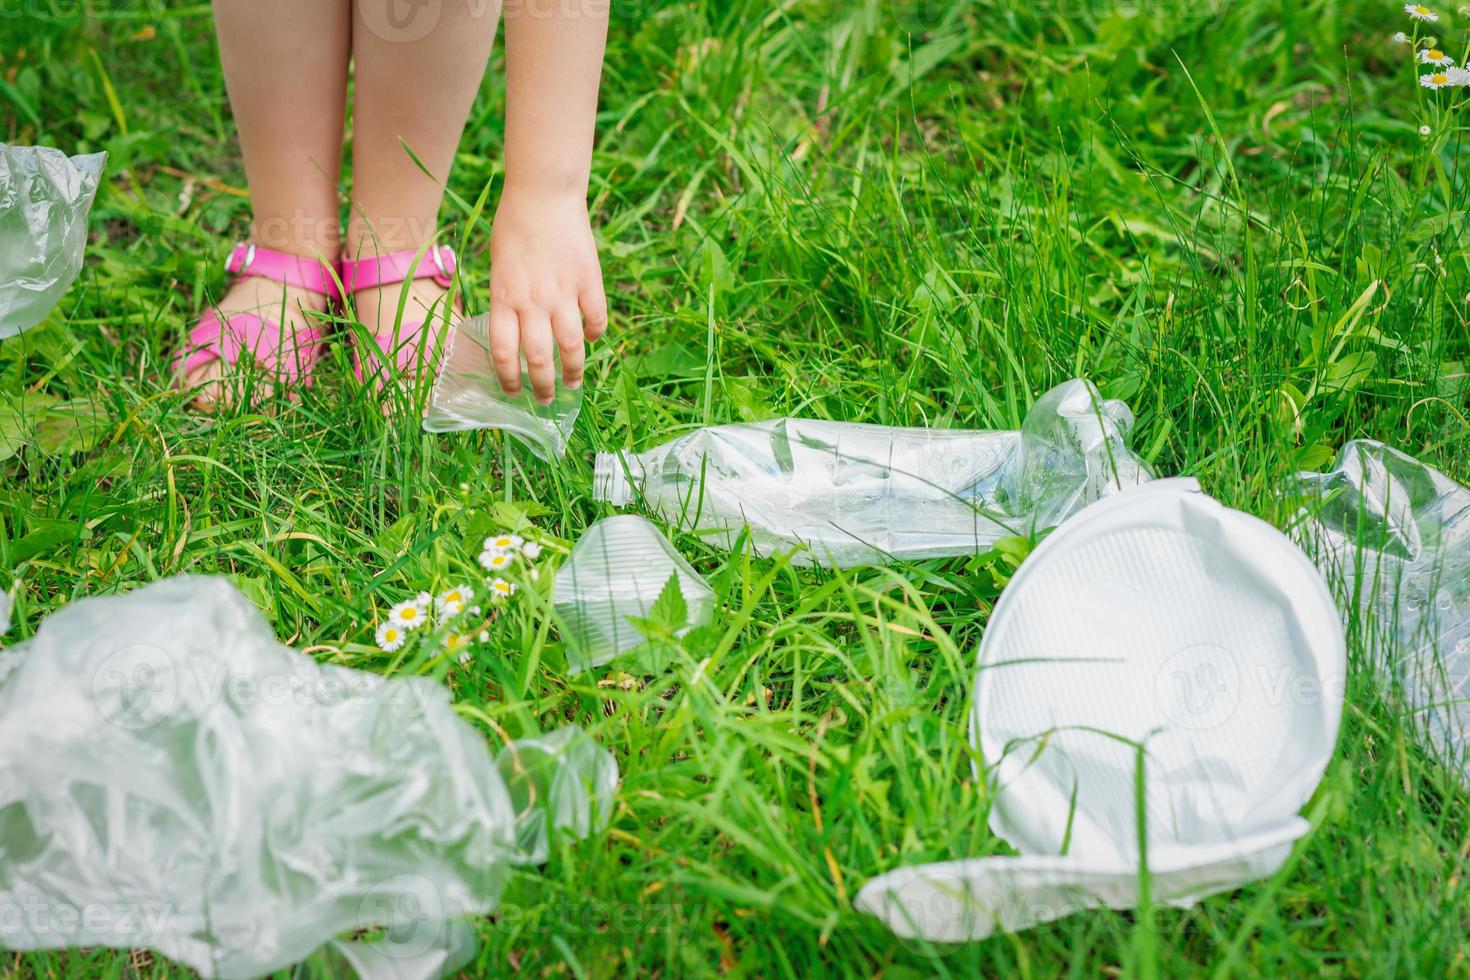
416 79
285 67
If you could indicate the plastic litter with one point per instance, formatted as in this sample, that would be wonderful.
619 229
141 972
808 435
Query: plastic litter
1158 629
173 778
857 493
467 395
44 200
614 577
1394 534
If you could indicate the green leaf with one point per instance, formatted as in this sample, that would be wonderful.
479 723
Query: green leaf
670 610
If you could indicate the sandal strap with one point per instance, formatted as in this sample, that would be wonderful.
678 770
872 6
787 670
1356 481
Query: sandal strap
290 354
439 264
248 259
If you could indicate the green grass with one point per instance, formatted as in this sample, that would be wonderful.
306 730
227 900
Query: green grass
918 214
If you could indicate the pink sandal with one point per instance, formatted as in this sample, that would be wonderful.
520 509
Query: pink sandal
290 355
403 347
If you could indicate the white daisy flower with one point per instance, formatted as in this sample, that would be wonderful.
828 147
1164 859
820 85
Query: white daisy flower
1420 12
409 615
497 561
531 550
1435 80
504 542
501 590
1436 57
1400 38
484 636
459 645
533 573
425 599
1425 130
452 602
1459 77
390 637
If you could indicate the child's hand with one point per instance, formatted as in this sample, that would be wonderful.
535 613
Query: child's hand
545 289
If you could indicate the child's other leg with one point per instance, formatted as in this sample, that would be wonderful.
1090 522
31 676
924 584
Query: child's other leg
285 67
416 78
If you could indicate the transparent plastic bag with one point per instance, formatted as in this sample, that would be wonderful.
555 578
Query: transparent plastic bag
615 575
856 493
173 778
44 200
1394 534
467 395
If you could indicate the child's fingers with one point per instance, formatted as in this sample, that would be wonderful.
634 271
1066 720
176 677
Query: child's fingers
536 341
593 301
566 324
505 347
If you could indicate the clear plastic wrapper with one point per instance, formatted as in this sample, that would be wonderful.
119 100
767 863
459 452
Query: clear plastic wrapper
467 395
44 200
616 575
1158 647
856 493
173 778
1394 534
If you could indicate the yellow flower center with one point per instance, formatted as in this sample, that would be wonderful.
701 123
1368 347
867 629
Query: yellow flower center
1435 54
453 597
410 613
1421 10
390 635
1438 78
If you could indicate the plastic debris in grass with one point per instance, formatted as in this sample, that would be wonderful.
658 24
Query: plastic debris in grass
856 493
467 395
44 200
1394 534
1156 648
622 586
173 778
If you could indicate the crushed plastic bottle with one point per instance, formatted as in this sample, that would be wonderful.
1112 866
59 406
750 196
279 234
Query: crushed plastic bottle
174 778
1394 535
467 395
856 494
45 197
616 573
1158 648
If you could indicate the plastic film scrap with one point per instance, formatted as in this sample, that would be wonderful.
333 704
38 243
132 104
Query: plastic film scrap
1393 534
467 395
857 493
45 197
165 757
616 574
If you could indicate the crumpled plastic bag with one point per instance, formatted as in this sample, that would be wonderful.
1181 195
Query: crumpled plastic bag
467 395
1394 533
1160 648
617 571
44 200
859 494
174 778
